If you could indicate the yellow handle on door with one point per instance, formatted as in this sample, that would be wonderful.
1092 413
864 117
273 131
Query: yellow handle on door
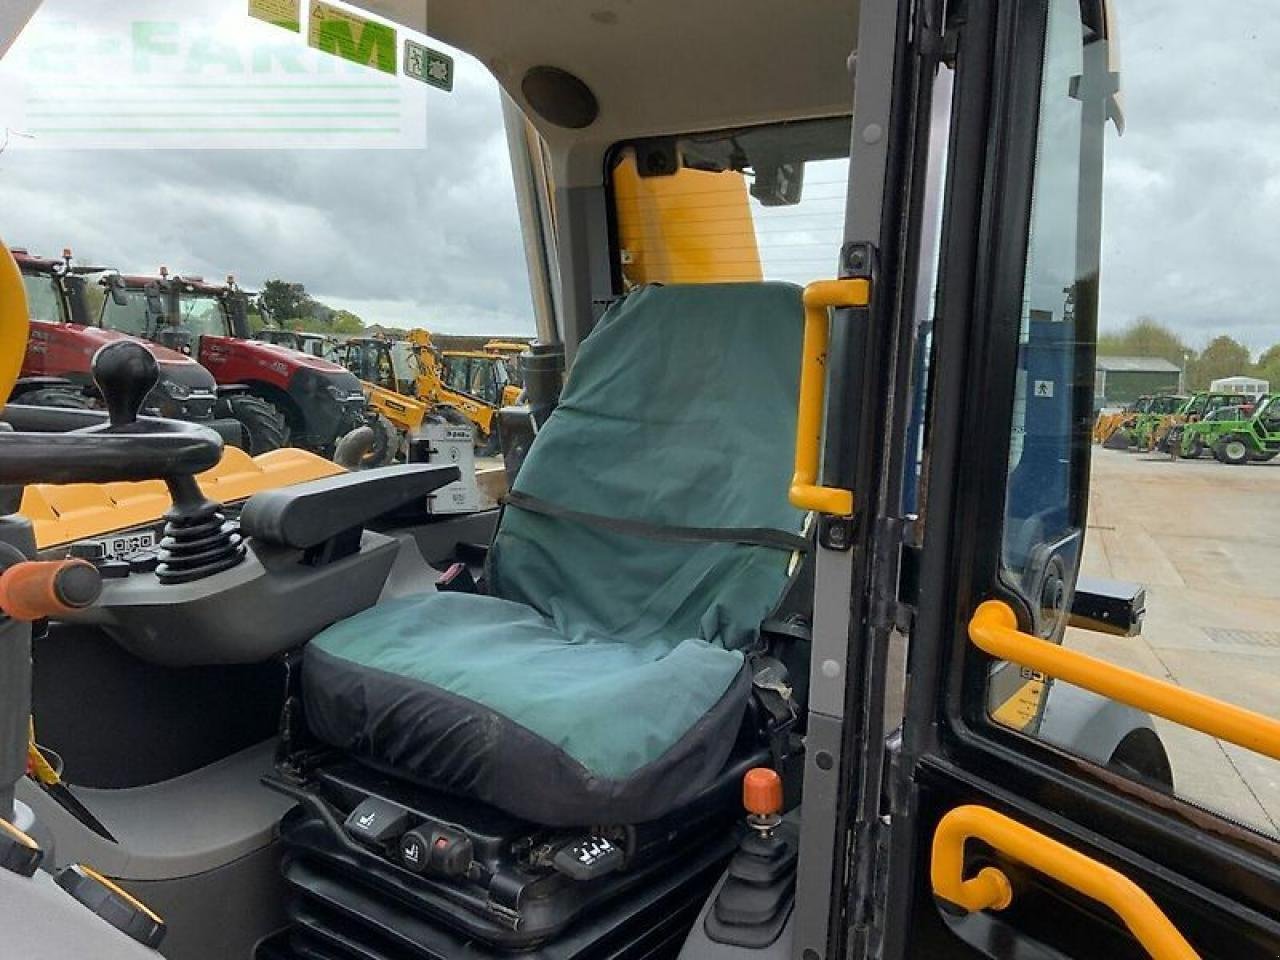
990 888
819 297
994 628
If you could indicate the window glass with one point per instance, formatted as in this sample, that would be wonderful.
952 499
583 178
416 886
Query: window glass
128 317
203 315
1044 446
44 302
456 373
481 380
758 203
1182 487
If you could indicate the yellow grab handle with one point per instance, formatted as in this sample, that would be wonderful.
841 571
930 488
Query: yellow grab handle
994 628
818 298
990 889
14 323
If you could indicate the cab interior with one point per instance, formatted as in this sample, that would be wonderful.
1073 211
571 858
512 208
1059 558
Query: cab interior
324 724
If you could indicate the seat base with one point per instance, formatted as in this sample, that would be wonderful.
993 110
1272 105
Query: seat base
356 899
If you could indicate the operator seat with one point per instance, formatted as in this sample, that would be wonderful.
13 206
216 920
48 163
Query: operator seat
604 677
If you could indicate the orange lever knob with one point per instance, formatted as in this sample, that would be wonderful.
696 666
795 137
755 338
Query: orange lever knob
34 589
762 792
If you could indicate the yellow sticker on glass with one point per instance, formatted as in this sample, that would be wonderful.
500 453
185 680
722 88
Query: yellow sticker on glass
351 37
281 13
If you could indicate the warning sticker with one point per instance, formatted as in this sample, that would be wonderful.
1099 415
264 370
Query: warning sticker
1044 388
354 38
430 66
281 13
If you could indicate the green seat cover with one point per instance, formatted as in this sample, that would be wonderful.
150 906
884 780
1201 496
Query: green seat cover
607 664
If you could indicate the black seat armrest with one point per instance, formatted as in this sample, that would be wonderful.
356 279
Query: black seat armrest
309 514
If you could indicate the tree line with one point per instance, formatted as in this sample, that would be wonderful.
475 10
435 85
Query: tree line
1222 357
289 307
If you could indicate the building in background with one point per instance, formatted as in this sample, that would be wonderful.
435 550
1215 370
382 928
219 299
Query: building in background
1122 380
1245 386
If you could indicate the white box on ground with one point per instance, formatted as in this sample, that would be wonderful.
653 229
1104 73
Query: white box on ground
453 443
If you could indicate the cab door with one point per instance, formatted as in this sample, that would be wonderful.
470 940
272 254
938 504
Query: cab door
1041 791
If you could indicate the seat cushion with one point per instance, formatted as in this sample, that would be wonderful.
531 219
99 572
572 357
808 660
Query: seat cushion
486 697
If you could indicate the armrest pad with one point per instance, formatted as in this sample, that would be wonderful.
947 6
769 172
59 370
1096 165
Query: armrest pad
308 514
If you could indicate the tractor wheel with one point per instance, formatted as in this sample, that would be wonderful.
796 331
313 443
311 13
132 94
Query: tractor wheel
1263 457
264 426
1194 450
64 398
1233 450
386 443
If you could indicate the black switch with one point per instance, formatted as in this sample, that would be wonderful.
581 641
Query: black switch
377 822
435 849
588 859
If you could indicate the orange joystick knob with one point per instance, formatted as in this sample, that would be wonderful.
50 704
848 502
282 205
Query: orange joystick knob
762 792
33 589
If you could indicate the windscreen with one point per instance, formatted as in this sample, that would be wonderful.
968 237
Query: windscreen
44 303
202 315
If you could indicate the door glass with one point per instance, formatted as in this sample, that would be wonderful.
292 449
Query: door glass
1184 469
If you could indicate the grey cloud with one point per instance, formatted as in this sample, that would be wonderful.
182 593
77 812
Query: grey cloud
1193 187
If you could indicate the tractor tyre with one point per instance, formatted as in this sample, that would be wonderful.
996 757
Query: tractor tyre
1195 450
262 424
386 443
1233 450
1263 457
63 398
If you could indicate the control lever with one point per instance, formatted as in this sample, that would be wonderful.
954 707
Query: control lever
125 447
198 540
124 377
755 899
33 589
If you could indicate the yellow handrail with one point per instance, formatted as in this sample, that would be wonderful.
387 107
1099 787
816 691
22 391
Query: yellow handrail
818 298
15 323
994 628
990 888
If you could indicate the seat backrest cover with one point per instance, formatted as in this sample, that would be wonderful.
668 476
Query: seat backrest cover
680 412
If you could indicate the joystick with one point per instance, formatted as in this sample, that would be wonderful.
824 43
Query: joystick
125 373
753 903
198 540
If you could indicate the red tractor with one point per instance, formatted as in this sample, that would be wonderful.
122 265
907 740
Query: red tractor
320 402
64 305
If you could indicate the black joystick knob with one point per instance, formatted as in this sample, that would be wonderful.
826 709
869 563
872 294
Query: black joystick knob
198 539
125 372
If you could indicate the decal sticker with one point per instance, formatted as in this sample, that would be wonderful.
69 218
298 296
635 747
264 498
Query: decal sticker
430 66
281 13
351 37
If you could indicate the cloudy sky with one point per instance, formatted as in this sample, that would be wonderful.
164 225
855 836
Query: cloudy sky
427 232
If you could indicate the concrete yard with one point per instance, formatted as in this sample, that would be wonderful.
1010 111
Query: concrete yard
1205 540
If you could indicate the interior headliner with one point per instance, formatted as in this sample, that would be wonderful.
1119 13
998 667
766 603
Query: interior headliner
655 66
